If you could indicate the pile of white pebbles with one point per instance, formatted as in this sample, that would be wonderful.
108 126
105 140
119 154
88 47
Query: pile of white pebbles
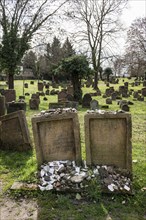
66 175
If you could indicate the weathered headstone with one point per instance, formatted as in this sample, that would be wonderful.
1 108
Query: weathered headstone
57 137
25 85
15 106
33 104
14 134
108 101
125 107
70 90
10 95
40 86
86 100
94 104
62 96
108 139
32 82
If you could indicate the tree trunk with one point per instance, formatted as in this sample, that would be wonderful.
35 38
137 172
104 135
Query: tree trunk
11 81
77 87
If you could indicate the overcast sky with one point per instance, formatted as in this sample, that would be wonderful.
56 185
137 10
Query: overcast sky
136 8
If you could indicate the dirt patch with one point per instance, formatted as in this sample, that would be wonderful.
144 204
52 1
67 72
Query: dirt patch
22 209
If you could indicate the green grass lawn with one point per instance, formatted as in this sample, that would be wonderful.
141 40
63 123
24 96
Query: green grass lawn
22 166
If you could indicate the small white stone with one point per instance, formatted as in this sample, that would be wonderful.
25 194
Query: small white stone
127 188
111 188
49 187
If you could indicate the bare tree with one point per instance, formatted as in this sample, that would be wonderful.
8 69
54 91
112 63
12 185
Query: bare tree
136 47
98 24
19 21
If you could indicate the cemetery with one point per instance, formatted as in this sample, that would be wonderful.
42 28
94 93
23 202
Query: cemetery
72 110
71 150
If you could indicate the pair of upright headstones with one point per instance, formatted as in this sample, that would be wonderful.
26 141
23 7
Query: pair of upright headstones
107 138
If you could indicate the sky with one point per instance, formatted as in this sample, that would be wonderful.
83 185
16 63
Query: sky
136 9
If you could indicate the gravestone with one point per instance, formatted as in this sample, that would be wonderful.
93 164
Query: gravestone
21 97
143 91
15 106
34 104
140 98
94 104
32 82
114 96
40 86
10 95
2 105
125 107
135 94
70 90
36 96
62 96
47 92
57 137
14 134
55 105
47 86
144 83
108 101
108 139
25 85
86 100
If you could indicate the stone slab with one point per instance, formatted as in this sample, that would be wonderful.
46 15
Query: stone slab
14 134
108 139
57 137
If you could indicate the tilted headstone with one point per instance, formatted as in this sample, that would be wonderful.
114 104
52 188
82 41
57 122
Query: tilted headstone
14 133
57 137
108 139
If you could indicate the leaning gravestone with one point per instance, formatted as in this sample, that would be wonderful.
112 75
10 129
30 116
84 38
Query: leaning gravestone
57 136
108 139
14 134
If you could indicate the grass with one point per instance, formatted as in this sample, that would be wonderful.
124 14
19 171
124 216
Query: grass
16 166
